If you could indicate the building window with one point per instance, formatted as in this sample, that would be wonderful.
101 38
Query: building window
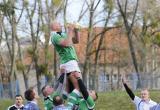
114 77
107 76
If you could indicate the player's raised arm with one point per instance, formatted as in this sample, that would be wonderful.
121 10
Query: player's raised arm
60 38
76 37
128 90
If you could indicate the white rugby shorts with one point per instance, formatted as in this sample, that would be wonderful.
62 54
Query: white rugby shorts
70 66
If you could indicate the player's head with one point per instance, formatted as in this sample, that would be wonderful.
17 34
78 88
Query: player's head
30 94
57 100
47 90
18 100
145 94
56 26
93 94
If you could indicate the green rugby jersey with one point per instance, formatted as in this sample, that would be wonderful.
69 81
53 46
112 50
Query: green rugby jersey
74 99
48 102
65 53
86 104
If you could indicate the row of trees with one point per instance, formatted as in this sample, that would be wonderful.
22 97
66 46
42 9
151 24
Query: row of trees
24 18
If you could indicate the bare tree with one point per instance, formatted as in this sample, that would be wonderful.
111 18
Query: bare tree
11 18
47 16
34 32
129 27
109 9
92 7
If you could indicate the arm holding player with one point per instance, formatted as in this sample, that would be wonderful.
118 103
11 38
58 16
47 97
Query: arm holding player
69 40
73 35
76 37
82 87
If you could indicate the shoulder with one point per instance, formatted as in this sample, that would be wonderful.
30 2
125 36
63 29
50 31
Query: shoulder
153 102
137 100
55 38
64 34
30 105
12 107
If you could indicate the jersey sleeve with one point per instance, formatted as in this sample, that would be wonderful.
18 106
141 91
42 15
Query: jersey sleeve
129 91
48 104
137 100
9 108
72 99
90 102
55 39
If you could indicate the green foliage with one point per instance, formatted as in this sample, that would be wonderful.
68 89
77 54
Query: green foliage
110 5
30 50
147 39
7 9
156 39
154 23
44 28
26 3
20 65
49 55
32 53
56 2
42 69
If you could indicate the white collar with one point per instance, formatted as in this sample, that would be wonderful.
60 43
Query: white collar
18 106
53 32
147 101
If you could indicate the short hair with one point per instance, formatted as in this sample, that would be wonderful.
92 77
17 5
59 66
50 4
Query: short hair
57 100
42 90
29 94
145 89
18 95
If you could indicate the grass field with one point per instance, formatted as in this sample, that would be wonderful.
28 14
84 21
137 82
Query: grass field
115 100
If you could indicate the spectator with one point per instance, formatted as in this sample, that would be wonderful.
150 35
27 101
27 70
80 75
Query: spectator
143 103
18 103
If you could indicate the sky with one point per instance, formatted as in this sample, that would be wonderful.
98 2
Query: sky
74 8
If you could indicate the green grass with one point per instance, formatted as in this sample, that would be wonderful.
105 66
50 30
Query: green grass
116 100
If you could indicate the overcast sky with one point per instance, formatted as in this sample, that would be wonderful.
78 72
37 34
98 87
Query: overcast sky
74 8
